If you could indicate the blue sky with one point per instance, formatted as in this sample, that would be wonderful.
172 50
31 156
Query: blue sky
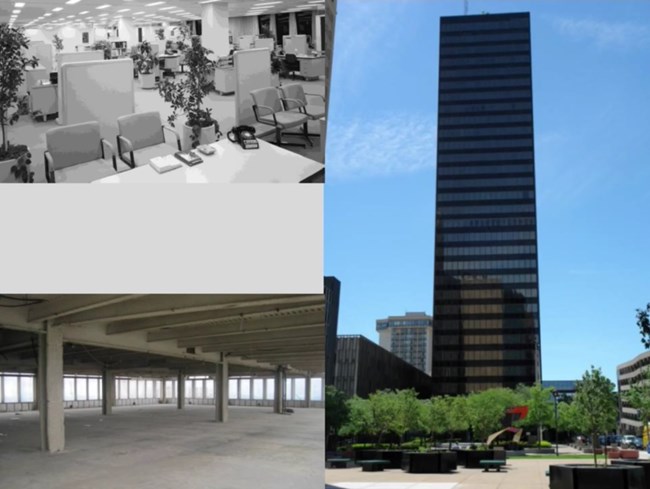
591 87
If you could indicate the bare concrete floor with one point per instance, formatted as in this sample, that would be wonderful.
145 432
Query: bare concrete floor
163 447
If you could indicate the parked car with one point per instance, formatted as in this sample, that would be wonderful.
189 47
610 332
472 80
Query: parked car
628 441
638 443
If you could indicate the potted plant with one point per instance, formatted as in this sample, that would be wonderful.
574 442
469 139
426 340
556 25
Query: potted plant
12 64
596 404
145 62
276 67
187 95
160 33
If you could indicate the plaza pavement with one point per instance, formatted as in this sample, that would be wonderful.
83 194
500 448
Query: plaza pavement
528 473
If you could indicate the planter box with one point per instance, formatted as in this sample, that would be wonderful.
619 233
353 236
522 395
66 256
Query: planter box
590 477
550 451
366 454
644 464
429 463
393 456
629 454
471 458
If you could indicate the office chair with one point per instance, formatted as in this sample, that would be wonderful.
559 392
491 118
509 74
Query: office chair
291 65
75 154
294 97
269 110
142 136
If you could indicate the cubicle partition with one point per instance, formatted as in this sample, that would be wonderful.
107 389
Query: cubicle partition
43 52
245 42
252 71
96 91
62 58
295 44
265 43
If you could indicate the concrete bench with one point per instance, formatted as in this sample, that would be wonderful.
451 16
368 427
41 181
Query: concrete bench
489 464
338 463
373 465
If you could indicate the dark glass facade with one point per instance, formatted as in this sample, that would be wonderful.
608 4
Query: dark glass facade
486 300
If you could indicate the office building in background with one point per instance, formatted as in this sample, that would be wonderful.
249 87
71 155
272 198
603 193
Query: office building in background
363 368
409 337
332 297
486 305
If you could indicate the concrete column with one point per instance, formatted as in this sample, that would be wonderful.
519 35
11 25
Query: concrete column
278 398
163 390
180 390
214 28
221 391
308 391
50 388
108 392
128 32
293 25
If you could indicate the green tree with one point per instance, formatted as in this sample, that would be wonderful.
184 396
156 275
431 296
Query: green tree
486 410
596 404
384 410
643 322
437 417
336 411
638 397
568 418
408 412
540 407
359 419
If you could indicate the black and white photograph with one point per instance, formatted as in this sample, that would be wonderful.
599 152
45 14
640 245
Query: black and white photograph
222 91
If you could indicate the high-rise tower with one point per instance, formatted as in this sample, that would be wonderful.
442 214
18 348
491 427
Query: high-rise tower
486 301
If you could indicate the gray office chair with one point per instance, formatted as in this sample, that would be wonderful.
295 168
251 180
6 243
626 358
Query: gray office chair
269 110
75 154
142 136
294 97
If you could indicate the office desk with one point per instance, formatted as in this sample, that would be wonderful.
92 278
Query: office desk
230 164
312 67
44 99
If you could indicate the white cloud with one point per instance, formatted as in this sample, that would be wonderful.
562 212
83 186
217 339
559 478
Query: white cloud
604 33
381 146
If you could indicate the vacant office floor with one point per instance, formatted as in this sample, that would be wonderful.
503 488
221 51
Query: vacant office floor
31 131
163 447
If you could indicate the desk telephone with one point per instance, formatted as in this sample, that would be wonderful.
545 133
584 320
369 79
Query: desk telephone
245 136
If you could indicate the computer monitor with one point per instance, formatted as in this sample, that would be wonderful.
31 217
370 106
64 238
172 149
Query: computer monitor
54 77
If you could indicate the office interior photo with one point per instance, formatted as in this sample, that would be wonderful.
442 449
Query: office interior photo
146 91
122 390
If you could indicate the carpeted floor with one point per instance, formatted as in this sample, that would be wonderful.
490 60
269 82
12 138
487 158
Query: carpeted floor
31 131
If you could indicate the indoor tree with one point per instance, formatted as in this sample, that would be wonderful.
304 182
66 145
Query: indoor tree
595 403
13 43
187 95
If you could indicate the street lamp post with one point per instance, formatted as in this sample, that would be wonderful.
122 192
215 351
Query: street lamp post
557 450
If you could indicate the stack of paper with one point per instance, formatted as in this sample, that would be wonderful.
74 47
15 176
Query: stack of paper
164 164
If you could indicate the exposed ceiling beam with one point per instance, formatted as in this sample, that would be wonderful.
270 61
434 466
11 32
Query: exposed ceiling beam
299 327
58 306
309 340
156 305
250 310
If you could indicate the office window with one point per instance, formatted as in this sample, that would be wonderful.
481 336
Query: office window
133 389
288 393
158 389
281 27
68 388
123 389
299 389
141 389
258 388
264 24
169 389
93 389
149 389
245 388
189 391
26 389
304 24
82 385
270 389
209 389
232 389
198 389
